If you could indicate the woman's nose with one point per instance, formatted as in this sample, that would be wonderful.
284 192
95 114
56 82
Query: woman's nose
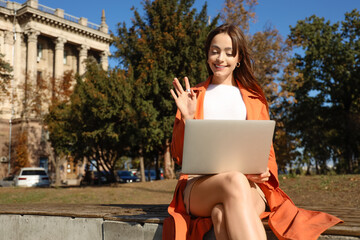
220 57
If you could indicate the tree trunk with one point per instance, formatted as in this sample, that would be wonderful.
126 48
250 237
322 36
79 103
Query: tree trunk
58 162
57 173
168 163
308 169
142 169
157 171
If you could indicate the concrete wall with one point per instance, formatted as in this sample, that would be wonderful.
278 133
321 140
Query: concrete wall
34 227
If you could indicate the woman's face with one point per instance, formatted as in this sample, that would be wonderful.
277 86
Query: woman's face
221 60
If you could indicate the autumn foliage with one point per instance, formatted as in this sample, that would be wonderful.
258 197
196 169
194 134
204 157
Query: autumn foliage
21 153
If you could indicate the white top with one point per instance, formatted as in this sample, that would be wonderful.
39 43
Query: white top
224 102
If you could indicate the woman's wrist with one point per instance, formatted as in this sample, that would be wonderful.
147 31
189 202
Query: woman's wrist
184 118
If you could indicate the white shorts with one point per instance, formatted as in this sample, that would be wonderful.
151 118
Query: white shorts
193 178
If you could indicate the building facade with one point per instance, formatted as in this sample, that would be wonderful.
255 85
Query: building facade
40 42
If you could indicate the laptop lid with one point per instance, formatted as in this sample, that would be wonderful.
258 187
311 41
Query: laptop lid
215 146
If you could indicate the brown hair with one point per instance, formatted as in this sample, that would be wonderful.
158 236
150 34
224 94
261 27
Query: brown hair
244 73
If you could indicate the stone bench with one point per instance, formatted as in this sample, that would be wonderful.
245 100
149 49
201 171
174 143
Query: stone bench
130 222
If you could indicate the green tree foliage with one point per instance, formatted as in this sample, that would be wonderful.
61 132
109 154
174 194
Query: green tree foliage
57 122
102 116
167 42
326 113
97 123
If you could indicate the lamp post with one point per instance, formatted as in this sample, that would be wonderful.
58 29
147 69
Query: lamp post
12 89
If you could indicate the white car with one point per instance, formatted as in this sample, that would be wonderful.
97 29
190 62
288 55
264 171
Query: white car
32 177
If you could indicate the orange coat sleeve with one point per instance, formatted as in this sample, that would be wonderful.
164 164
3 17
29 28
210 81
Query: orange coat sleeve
177 142
272 165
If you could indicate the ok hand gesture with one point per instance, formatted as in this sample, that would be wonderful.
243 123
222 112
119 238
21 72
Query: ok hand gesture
185 100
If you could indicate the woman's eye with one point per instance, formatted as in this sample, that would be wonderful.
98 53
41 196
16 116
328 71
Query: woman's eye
214 52
229 54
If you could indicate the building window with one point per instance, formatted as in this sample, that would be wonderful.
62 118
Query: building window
44 136
39 52
44 163
65 57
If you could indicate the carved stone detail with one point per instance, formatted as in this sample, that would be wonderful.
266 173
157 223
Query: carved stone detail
32 35
59 43
83 50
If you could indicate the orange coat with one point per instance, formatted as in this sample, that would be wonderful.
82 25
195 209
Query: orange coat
285 219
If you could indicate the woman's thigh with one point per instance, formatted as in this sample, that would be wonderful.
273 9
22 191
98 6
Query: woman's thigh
258 201
211 190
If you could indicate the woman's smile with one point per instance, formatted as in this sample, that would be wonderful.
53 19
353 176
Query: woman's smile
220 67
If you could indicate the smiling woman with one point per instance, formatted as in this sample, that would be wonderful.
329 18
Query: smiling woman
222 60
232 202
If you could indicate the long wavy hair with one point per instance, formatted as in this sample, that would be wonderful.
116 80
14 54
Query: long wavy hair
244 74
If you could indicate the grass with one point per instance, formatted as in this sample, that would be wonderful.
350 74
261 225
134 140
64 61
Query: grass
323 190
157 192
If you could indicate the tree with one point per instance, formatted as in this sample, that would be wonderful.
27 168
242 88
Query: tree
101 119
58 123
239 14
268 50
167 42
326 113
270 54
22 154
94 120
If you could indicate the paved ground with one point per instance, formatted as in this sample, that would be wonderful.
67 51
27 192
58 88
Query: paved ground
142 213
123 212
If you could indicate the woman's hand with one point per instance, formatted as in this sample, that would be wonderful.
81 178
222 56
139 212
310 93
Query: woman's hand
185 100
259 178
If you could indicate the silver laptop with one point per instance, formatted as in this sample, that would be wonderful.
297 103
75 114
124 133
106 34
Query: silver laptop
215 146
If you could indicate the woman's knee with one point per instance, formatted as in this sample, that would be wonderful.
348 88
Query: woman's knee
236 184
217 214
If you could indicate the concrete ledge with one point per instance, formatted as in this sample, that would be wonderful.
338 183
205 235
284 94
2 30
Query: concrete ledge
116 222
124 231
21 227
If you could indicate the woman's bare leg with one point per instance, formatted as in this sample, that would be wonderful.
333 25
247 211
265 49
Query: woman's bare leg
240 204
218 219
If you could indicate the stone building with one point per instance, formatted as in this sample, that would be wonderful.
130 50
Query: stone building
40 42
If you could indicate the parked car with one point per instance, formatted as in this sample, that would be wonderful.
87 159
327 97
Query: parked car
94 178
150 175
7 181
32 177
100 177
127 176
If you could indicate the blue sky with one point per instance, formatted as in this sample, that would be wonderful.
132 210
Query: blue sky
280 13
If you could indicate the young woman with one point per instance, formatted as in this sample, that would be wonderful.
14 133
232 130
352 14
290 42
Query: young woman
232 202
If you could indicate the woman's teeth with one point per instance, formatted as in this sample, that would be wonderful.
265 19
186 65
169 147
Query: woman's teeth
219 66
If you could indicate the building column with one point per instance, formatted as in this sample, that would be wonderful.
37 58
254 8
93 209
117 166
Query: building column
31 62
59 58
17 55
104 60
83 52
8 44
